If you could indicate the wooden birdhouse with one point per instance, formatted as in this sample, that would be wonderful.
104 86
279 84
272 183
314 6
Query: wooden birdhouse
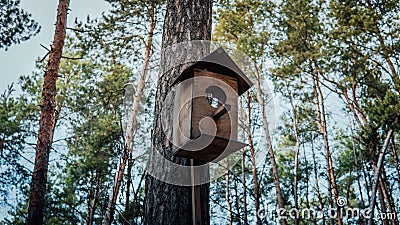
205 117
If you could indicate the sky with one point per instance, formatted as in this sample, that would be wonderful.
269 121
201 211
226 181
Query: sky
20 59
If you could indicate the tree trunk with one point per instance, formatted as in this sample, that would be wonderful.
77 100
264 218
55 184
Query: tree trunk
253 160
317 189
92 202
237 202
388 194
227 195
296 158
166 203
271 153
128 185
382 200
307 181
130 130
46 123
321 116
377 175
244 188
396 160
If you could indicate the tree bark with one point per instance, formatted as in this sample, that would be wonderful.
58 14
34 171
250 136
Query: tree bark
237 202
47 119
253 160
165 203
382 201
130 130
396 160
296 158
321 116
271 153
244 187
128 186
92 201
388 194
227 195
377 175
317 189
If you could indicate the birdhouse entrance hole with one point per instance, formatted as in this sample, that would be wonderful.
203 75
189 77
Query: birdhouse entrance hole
215 96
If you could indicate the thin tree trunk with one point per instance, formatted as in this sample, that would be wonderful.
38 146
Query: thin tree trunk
130 129
244 188
307 181
388 194
358 176
351 107
355 159
92 206
128 185
354 93
237 203
377 175
271 153
320 108
165 203
320 201
296 158
385 191
357 106
46 123
382 200
227 195
396 160
386 53
136 198
88 201
253 159
367 179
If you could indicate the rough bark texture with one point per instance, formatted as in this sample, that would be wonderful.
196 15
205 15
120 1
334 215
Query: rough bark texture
185 20
46 123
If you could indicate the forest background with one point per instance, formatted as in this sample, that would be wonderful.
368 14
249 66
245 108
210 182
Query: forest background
333 72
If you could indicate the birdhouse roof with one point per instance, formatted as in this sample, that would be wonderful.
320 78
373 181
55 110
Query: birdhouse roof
218 62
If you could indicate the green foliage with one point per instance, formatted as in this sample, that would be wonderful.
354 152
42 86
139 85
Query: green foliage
16 25
242 23
94 101
383 114
15 129
120 34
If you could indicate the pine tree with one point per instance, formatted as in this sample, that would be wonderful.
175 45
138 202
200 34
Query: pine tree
166 203
47 122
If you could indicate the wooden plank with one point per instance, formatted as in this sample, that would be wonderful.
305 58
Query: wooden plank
216 151
227 124
219 112
182 114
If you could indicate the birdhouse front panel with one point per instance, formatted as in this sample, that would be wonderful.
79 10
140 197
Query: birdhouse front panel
182 114
214 103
